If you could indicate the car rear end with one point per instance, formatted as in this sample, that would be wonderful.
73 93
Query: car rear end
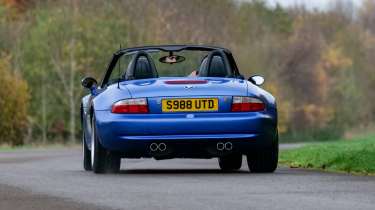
197 119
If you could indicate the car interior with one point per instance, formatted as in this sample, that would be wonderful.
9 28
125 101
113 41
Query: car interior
215 69
142 67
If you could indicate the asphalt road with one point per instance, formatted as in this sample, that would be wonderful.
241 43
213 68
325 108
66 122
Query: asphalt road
54 179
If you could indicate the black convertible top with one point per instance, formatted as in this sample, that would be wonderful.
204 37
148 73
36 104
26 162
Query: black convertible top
168 48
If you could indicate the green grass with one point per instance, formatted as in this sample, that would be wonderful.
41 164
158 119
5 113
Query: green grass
355 156
5 148
8 148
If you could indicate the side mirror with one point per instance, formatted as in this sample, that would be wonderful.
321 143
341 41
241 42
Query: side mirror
89 82
256 80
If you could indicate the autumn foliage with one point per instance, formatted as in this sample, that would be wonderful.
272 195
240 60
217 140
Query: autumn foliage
319 64
14 99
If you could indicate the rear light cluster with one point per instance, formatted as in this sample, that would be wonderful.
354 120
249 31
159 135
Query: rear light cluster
247 104
131 106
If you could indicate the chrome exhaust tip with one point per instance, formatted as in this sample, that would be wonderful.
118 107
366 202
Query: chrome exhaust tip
228 146
162 147
154 147
220 146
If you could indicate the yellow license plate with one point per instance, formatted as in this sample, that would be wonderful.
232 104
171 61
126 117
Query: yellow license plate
190 105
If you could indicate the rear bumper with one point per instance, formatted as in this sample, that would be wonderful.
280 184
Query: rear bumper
189 148
185 136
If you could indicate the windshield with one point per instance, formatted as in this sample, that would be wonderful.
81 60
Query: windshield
191 64
169 64
155 63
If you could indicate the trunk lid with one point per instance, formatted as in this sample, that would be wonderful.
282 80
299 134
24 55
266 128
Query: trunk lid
185 87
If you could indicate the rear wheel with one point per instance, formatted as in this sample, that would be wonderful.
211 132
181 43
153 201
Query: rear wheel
102 160
86 155
230 162
265 160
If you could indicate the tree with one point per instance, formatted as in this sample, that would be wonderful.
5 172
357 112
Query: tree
55 60
14 100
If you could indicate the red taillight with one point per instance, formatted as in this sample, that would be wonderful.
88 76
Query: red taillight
247 104
131 106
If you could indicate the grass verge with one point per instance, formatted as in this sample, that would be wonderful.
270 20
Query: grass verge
355 156
8 148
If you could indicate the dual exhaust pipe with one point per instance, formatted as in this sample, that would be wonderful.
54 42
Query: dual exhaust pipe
161 147
224 146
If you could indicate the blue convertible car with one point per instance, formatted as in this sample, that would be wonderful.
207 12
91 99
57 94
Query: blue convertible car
178 101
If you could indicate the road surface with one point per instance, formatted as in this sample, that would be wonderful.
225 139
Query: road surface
54 179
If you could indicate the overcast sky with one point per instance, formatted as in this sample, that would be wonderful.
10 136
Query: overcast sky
311 4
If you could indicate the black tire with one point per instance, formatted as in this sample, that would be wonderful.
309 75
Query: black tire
86 155
103 161
230 162
265 160
114 162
